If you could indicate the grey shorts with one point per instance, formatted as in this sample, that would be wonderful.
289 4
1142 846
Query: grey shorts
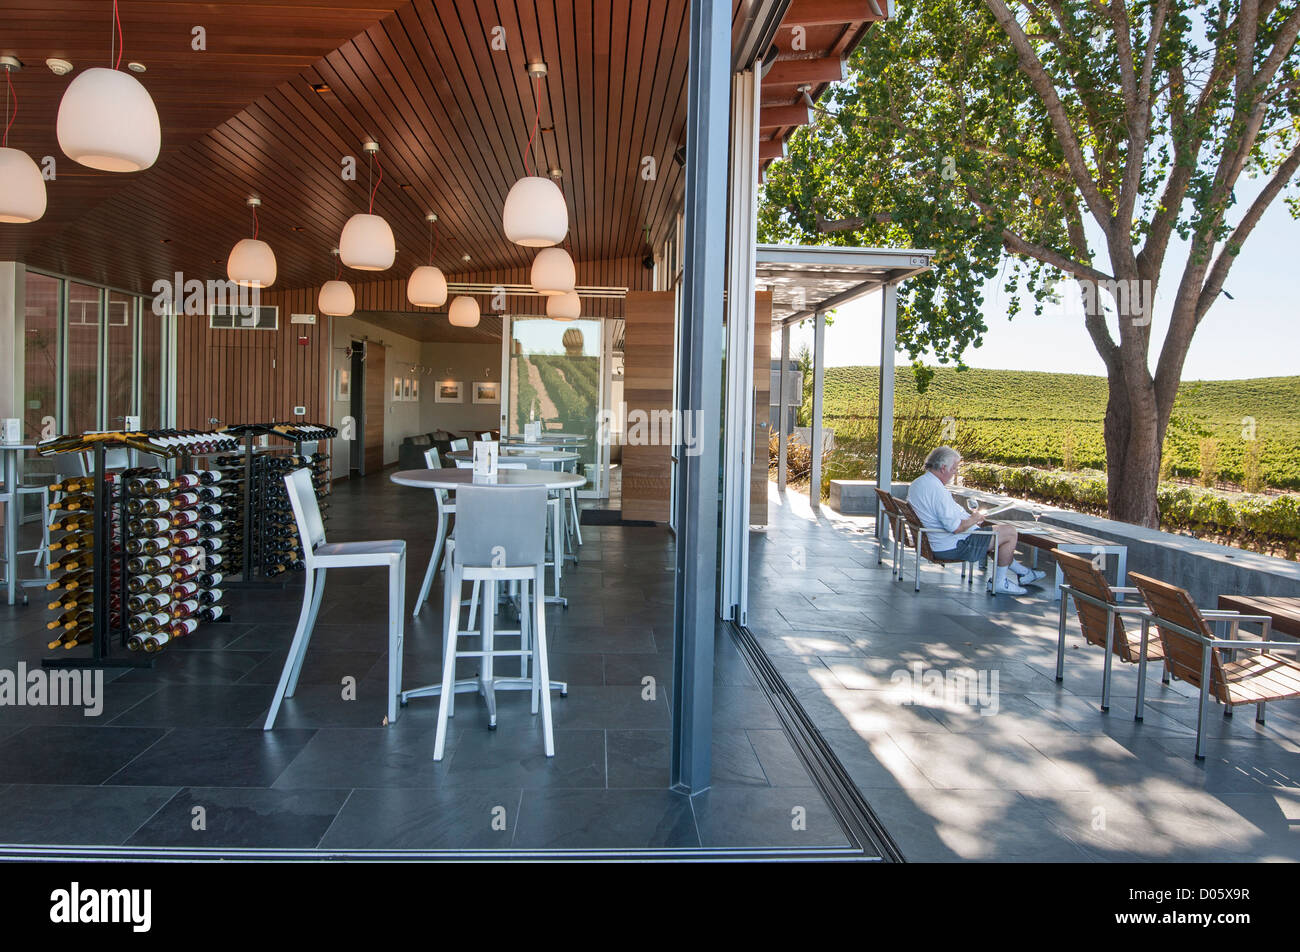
973 548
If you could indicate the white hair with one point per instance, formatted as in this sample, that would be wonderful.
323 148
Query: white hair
940 457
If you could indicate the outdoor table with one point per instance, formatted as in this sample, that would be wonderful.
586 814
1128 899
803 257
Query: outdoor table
453 479
11 452
1038 535
1283 609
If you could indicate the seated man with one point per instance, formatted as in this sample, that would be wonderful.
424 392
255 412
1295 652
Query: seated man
951 526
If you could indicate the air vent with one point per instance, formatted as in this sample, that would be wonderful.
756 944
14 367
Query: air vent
244 318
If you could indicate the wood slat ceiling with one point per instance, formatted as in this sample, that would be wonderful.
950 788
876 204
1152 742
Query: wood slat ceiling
451 115
251 47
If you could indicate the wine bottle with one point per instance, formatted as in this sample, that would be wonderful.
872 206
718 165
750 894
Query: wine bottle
81 636
71 581
74 502
186 608
73 522
73 485
149 526
72 600
148 506
210 613
149 564
70 562
187 517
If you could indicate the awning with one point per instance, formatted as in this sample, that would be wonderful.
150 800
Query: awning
805 280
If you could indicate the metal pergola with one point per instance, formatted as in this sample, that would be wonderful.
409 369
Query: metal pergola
809 281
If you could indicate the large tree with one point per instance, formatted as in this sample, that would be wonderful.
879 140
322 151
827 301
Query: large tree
1036 129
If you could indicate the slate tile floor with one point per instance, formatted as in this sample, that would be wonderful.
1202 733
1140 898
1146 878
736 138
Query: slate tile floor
178 757
1045 777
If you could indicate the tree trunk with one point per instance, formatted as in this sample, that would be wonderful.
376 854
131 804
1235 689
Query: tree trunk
1132 457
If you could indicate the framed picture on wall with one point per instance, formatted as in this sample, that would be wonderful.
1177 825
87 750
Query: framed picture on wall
487 391
415 388
450 391
406 389
397 388
342 383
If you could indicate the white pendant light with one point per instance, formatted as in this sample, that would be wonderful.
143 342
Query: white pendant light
107 120
463 312
22 187
336 297
252 262
564 307
367 242
553 272
535 214
427 286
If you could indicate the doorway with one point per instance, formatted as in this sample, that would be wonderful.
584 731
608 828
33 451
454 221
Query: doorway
552 373
357 409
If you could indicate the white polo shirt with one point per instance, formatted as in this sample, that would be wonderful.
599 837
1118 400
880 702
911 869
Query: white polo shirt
938 511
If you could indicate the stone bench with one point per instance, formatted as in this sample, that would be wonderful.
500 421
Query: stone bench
857 497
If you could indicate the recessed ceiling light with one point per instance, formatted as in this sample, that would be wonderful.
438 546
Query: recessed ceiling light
165 241
464 257
321 87
136 67
405 185
59 67
299 228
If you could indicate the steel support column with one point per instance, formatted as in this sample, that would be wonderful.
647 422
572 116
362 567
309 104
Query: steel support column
700 397
738 433
819 379
783 401
885 404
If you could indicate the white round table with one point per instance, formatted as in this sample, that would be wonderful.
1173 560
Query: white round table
545 456
453 479
547 439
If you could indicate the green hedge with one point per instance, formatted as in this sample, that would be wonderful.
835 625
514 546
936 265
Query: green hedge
1259 522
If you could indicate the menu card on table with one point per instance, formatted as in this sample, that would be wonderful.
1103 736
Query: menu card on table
533 431
485 458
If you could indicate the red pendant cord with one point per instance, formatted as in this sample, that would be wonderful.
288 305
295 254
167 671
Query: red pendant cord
433 240
120 40
9 121
536 119
255 223
339 273
376 188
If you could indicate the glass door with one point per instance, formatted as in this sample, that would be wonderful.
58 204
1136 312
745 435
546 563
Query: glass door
553 372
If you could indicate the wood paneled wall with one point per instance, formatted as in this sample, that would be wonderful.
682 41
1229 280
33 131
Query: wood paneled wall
762 396
648 386
252 376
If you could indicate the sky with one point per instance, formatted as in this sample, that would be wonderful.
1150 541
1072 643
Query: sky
1256 334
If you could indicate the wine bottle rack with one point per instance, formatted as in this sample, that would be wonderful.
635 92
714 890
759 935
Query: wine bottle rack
270 537
110 537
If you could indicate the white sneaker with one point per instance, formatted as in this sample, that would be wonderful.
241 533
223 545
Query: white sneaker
1005 586
1029 576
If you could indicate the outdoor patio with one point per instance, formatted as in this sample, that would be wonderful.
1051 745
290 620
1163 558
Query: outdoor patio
1041 774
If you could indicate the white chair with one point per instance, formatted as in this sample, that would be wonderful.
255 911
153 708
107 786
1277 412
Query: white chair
446 509
459 446
318 556
500 537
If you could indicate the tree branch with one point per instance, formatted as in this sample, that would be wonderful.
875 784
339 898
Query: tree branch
1098 204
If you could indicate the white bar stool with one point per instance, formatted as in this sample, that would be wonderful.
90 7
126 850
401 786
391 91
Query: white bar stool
500 537
446 509
319 556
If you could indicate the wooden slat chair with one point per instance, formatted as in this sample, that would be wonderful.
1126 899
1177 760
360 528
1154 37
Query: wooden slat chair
897 529
921 545
1196 656
1101 621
